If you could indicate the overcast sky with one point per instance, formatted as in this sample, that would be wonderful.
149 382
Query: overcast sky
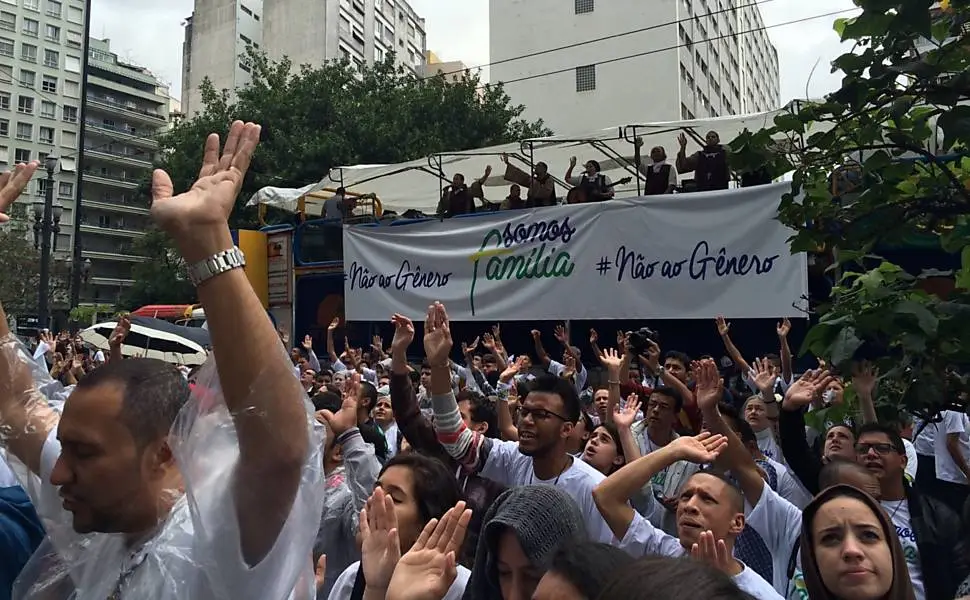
149 32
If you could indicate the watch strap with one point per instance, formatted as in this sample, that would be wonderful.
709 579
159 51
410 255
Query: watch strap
217 264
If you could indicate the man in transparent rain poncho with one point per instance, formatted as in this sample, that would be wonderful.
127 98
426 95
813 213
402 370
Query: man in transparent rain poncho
150 493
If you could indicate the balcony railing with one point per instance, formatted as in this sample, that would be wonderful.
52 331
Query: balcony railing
137 155
121 180
131 206
114 129
95 98
87 225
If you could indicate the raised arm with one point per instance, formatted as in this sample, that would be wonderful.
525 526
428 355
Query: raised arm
331 349
785 351
540 350
417 429
864 377
26 420
685 164
265 400
723 329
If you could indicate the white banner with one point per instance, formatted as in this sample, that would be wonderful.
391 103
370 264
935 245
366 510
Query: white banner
663 257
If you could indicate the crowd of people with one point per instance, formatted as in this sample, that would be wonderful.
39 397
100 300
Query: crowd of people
273 473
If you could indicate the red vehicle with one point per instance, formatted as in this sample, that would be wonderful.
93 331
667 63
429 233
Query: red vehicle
190 315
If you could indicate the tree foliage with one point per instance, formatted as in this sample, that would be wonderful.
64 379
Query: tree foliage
162 279
317 118
21 277
878 163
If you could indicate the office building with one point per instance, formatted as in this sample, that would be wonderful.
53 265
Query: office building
41 46
217 36
689 59
308 32
127 108
433 65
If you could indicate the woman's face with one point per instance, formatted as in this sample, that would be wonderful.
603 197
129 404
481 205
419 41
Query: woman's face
517 577
601 452
851 549
554 586
755 414
398 483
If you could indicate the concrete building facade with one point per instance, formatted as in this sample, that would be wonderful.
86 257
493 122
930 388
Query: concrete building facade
663 60
127 108
41 47
306 31
217 36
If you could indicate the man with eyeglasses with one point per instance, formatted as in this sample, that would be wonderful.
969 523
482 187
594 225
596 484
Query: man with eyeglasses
547 417
929 531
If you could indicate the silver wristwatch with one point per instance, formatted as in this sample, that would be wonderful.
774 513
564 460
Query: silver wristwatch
218 263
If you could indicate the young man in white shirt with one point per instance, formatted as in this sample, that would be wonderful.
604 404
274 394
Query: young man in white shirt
547 417
952 454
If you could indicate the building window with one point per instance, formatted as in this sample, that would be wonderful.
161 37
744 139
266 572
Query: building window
74 38
28 79
72 64
4 100
586 78
21 155
5 158
245 9
8 21
6 47
42 183
31 28
25 105
28 53
70 114
48 110
584 6
52 59
54 8
72 89
4 128
75 15
69 139
45 135
49 84
378 54
25 131
65 189
32 4
6 74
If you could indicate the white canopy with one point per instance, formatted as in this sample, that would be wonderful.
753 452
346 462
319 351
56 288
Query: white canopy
416 184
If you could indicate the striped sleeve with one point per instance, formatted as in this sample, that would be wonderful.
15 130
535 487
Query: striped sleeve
467 447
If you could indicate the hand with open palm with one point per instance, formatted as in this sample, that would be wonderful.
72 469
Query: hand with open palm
428 569
198 220
700 449
764 375
380 548
709 388
403 335
714 552
626 412
345 418
12 185
437 336
805 389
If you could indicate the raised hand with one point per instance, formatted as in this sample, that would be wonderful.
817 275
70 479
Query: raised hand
626 412
467 349
783 327
594 337
561 335
198 220
120 332
333 324
806 388
611 360
572 161
723 327
708 385
652 358
513 369
864 378
345 418
12 185
437 336
764 375
403 335
428 569
714 552
682 140
380 548
536 335
307 343
377 343
700 449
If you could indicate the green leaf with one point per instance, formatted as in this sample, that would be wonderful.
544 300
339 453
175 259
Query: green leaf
963 275
844 347
955 124
818 339
927 322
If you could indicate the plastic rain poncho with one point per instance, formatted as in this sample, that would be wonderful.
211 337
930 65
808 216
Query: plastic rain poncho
195 553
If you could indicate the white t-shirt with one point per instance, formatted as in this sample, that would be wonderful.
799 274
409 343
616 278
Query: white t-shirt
898 512
925 439
779 523
946 468
789 487
768 445
333 207
643 539
912 461
344 586
557 369
507 465
196 552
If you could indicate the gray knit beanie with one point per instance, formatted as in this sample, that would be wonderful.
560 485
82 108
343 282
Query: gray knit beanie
543 517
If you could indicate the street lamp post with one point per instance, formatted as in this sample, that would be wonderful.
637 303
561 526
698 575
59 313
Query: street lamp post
47 219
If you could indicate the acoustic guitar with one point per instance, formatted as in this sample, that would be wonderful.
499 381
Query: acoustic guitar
578 195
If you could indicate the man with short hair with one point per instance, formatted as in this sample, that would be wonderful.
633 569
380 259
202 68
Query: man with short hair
120 468
547 417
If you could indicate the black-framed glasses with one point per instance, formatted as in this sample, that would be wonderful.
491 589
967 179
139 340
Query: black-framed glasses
539 414
881 448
